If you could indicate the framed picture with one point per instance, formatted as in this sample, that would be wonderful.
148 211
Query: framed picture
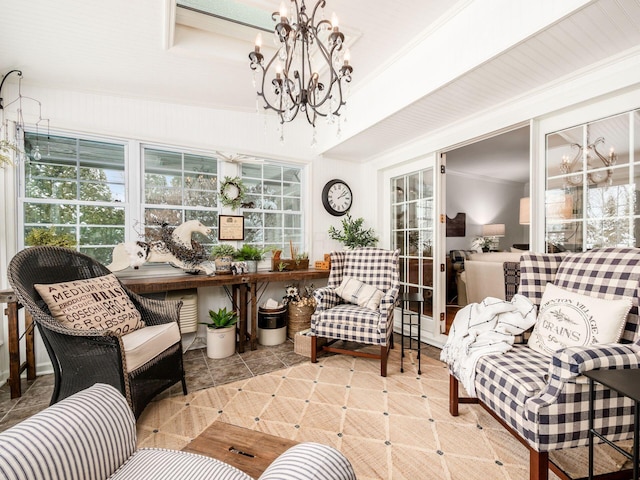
230 227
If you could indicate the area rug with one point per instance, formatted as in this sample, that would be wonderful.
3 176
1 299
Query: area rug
396 427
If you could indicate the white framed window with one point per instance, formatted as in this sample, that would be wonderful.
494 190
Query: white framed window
77 186
273 205
591 197
179 186
85 187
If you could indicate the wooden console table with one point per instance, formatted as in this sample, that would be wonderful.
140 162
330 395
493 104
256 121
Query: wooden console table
244 288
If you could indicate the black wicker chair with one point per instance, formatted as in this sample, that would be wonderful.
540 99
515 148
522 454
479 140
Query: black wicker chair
81 358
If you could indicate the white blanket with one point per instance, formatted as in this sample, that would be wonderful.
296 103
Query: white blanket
482 329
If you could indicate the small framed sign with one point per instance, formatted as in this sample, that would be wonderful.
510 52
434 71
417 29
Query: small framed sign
230 227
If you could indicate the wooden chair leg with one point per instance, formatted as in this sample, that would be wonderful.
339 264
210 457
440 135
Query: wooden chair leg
384 353
538 465
314 349
453 396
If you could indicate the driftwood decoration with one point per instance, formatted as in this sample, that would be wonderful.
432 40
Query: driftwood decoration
457 226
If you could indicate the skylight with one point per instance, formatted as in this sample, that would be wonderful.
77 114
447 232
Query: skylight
232 11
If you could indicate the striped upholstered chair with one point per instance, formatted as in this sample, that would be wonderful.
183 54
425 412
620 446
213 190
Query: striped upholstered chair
543 399
91 435
338 319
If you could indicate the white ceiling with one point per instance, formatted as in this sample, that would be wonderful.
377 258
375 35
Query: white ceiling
135 49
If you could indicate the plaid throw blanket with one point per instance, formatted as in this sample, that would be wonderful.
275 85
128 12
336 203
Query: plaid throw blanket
484 328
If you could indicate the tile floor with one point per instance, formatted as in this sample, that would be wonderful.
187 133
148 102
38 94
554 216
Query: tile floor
201 372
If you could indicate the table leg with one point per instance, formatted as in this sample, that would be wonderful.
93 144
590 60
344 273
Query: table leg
636 432
240 297
254 315
29 337
402 340
419 330
14 349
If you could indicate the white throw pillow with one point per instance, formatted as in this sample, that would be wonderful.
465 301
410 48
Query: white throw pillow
568 319
353 290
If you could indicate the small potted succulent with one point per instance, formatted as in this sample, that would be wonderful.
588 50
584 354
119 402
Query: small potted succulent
222 254
221 333
251 255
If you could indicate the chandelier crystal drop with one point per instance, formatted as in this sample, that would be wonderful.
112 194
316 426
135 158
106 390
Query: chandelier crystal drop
310 68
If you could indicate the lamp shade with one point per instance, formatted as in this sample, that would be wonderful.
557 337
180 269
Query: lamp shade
493 230
525 216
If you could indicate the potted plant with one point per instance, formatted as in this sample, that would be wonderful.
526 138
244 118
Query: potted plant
223 254
250 254
353 235
221 333
481 244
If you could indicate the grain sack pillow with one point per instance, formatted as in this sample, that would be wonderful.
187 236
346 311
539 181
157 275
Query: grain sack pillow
353 290
98 303
568 319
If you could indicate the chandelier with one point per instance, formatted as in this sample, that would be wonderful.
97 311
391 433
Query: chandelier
309 70
597 177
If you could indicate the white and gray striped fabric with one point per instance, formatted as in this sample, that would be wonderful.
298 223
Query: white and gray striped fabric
86 436
161 464
310 460
91 435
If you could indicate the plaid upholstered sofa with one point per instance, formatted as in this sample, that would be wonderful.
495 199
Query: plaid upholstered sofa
92 435
544 400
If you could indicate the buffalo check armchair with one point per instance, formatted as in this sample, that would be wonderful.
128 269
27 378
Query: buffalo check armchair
338 320
542 400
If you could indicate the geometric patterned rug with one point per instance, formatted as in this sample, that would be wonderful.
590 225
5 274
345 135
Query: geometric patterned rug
396 427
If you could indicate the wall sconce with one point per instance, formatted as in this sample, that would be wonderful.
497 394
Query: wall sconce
525 208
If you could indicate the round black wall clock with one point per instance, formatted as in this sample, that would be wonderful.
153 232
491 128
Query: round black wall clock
337 197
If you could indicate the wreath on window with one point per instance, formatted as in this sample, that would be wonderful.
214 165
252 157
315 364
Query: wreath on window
232 192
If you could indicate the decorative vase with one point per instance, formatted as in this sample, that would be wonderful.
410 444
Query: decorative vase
223 265
221 342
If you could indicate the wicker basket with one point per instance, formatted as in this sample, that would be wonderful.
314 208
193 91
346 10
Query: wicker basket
302 343
299 318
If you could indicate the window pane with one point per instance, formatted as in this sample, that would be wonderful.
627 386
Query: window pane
78 186
412 232
591 185
186 181
274 204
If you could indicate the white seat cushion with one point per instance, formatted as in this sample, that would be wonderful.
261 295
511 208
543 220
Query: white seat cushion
146 343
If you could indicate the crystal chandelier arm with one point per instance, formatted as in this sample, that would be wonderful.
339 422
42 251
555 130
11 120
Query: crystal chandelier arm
320 4
606 161
332 79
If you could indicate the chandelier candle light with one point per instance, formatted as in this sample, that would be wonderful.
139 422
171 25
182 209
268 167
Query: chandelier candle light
297 84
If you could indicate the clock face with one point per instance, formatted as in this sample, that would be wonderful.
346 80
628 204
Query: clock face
337 197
